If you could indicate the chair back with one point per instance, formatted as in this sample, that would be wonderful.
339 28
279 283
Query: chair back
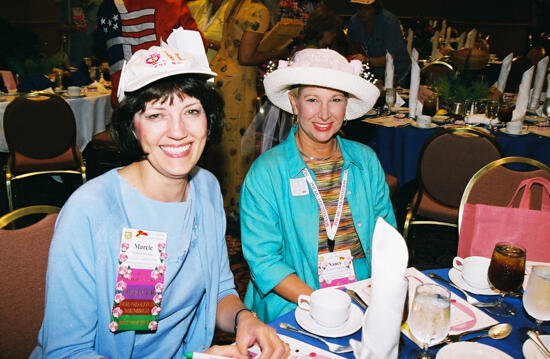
24 262
450 158
496 183
39 125
9 80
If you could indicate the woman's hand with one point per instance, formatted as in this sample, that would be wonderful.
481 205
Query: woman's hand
230 351
252 331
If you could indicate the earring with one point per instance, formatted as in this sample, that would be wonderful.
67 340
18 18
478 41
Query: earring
345 121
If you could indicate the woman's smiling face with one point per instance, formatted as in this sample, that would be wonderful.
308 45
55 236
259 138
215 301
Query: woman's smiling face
172 132
320 112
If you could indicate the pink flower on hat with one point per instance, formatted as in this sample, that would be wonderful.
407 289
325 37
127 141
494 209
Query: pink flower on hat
113 326
152 59
128 274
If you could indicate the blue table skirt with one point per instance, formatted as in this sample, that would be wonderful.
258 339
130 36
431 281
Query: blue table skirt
511 345
399 148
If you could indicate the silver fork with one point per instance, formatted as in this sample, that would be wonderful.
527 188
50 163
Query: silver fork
469 298
333 347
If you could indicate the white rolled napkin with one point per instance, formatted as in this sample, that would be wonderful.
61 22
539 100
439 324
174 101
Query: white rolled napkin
478 118
504 72
523 95
471 39
461 39
410 37
435 47
415 83
399 100
542 65
388 81
448 36
382 321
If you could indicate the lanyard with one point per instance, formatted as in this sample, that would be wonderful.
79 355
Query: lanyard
331 229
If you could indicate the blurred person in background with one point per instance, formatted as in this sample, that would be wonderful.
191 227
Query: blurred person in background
209 15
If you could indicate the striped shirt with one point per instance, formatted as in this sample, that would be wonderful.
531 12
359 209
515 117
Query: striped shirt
327 173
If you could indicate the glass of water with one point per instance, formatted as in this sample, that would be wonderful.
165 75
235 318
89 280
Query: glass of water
536 299
390 98
429 317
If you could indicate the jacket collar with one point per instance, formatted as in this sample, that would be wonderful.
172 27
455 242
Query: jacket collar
296 163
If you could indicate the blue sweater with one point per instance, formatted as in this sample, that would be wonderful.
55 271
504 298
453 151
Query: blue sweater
280 232
82 268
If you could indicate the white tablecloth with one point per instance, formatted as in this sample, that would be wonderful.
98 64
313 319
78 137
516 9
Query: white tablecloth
92 114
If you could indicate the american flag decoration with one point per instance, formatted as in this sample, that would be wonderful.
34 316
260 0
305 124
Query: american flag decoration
124 27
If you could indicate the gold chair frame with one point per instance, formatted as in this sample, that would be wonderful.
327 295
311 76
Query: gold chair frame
11 177
489 167
413 207
26 211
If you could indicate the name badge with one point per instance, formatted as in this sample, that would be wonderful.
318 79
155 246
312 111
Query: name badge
140 281
336 268
298 187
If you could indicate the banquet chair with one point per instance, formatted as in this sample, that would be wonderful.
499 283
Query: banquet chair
495 183
24 261
447 162
40 131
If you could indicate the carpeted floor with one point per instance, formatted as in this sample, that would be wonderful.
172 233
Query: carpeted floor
429 246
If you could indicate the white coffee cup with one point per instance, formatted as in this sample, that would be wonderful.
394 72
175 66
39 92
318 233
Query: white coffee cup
329 307
424 120
74 91
514 126
474 270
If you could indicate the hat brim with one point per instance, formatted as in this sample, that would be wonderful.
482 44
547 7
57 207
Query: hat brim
362 93
141 82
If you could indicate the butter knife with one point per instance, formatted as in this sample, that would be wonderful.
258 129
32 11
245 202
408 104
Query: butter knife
357 298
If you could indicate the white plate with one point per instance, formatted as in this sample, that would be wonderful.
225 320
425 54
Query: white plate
470 350
531 351
523 132
353 324
456 277
415 124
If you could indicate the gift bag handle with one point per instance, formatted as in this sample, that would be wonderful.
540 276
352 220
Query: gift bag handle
526 197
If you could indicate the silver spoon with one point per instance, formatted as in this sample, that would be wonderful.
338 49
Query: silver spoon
499 331
333 347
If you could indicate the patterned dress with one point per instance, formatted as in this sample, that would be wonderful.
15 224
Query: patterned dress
237 85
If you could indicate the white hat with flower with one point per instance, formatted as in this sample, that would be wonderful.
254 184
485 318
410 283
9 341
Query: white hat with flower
323 68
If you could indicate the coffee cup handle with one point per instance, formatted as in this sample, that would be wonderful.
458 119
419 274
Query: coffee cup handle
458 263
304 302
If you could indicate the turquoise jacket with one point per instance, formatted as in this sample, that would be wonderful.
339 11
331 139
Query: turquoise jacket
280 232
83 263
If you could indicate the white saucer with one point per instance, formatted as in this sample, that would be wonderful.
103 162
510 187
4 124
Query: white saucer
523 132
456 277
415 124
460 350
531 351
353 324
535 118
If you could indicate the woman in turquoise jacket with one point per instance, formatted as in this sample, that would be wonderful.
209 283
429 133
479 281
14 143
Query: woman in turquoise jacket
286 228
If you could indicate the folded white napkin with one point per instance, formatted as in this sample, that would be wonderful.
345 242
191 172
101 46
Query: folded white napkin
435 47
479 118
523 95
539 80
399 102
415 83
410 37
388 81
471 39
461 39
504 72
382 321
448 36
